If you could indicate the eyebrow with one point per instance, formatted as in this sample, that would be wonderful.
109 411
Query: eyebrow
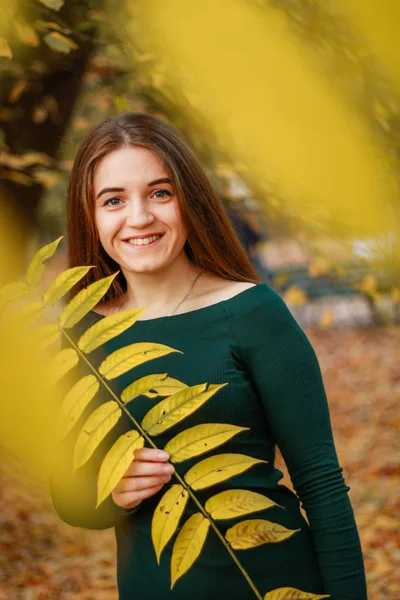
151 183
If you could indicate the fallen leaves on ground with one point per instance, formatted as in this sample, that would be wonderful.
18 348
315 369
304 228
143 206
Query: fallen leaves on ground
41 558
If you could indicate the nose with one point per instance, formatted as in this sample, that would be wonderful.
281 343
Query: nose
139 214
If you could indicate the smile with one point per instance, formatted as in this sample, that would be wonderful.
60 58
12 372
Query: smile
149 241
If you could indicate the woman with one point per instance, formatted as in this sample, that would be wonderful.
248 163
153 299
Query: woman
140 204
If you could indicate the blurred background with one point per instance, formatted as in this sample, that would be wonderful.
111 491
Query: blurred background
294 109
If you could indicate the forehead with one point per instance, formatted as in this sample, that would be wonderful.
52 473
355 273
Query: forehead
127 167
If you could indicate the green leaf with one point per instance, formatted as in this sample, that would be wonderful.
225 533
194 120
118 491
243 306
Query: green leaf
173 409
53 4
188 545
127 358
59 42
200 439
141 387
108 328
116 463
255 532
36 266
288 593
236 503
84 301
94 430
166 517
63 284
217 468
76 401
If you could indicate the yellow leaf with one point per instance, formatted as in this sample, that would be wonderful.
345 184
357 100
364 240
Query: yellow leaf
108 328
27 34
287 593
141 387
12 291
5 49
295 296
217 468
170 386
166 517
44 336
255 532
36 266
368 286
84 301
27 314
53 4
327 318
116 462
60 364
63 284
236 503
127 358
76 401
173 409
40 24
200 439
17 90
59 42
188 545
94 430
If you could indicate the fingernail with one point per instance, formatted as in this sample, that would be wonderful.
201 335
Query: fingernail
162 454
168 468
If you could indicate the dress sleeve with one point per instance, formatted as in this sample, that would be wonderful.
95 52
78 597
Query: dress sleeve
74 494
286 374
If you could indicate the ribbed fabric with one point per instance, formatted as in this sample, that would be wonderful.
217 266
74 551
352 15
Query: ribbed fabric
275 388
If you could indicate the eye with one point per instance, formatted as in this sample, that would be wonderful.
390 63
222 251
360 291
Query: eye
112 202
164 194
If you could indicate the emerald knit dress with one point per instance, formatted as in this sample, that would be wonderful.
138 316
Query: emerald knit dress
275 389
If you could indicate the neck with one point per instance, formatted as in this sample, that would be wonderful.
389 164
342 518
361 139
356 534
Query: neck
160 291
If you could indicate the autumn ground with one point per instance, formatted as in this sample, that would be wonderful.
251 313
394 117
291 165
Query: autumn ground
43 559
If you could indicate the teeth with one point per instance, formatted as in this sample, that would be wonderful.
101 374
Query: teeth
141 242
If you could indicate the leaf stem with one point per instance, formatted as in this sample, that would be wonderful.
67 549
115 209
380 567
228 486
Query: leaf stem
177 476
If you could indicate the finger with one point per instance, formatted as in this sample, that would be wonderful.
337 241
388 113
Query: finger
133 484
137 497
151 455
139 468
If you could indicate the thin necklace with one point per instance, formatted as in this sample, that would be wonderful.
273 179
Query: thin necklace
180 303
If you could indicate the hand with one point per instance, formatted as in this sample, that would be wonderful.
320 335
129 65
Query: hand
145 476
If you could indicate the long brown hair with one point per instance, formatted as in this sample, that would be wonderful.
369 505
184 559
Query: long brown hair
212 243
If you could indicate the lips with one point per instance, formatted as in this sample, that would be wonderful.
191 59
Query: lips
144 240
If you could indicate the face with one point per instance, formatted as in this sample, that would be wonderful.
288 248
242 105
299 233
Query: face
136 211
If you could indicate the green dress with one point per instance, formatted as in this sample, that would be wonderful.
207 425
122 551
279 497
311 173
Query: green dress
275 389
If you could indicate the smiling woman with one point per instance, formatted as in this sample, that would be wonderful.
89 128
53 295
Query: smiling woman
140 204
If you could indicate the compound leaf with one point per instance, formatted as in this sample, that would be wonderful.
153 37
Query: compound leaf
188 545
116 462
217 468
200 439
166 517
94 430
288 593
108 328
236 503
36 267
84 301
141 386
127 358
173 409
76 401
255 532
63 284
